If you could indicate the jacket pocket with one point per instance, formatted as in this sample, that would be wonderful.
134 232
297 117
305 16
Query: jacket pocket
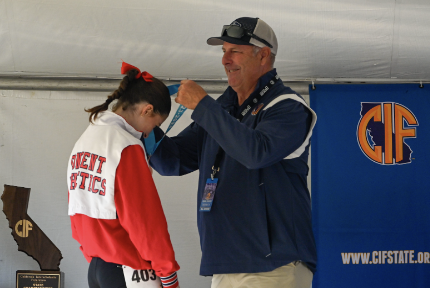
266 237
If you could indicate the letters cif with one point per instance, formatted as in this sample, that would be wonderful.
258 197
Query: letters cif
383 124
26 226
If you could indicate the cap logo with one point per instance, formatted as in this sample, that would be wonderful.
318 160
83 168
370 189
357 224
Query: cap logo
235 23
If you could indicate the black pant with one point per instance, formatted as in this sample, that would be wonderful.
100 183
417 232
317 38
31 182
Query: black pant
102 274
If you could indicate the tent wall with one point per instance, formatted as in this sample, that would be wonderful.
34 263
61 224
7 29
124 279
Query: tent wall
37 132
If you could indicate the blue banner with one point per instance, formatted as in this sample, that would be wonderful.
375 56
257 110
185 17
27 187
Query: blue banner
370 191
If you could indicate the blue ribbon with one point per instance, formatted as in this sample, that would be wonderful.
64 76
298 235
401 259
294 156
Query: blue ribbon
150 143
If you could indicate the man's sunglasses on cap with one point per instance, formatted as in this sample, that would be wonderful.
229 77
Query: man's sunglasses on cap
238 32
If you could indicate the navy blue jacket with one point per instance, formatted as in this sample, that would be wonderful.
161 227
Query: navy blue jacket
261 214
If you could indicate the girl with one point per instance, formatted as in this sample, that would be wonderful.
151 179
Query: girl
115 211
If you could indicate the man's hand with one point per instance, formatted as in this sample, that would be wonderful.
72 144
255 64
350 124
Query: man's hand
189 94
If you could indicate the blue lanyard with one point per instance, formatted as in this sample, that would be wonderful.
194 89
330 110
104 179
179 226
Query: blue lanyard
150 143
243 112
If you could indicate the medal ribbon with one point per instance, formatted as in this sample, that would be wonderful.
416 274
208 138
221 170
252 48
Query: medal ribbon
150 143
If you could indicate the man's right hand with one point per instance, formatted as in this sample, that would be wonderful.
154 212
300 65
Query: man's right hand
189 94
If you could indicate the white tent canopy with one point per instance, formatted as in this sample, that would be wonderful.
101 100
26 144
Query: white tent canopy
318 39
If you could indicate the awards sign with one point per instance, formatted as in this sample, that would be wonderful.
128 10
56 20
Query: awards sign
31 240
370 187
42 279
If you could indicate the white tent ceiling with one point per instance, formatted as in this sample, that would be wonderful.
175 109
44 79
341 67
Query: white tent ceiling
318 39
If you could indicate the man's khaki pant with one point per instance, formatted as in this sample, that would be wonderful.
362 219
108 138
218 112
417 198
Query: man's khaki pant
293 275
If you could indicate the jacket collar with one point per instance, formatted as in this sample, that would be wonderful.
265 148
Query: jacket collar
232 95
108 118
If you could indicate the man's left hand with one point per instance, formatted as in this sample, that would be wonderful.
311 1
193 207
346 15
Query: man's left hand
189 94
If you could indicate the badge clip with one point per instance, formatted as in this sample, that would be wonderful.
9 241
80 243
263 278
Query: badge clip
214 171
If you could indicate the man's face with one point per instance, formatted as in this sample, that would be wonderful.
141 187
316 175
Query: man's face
243 69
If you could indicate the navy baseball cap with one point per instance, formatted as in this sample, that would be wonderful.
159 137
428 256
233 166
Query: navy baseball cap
247 31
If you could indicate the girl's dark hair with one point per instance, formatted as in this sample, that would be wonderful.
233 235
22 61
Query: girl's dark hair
132 91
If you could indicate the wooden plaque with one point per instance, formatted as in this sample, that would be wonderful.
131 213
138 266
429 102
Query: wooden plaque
31 240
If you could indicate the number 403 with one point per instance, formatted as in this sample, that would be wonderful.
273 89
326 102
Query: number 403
144 275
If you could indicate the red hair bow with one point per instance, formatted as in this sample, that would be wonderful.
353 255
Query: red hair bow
127 67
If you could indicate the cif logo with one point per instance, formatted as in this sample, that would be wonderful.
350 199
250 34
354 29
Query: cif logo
23 231
382 130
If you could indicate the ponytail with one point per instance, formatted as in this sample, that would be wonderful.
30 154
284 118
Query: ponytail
132 91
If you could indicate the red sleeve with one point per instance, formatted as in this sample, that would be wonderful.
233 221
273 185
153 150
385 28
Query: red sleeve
140 212
75 234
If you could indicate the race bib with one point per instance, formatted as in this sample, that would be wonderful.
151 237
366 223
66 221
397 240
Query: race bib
141 278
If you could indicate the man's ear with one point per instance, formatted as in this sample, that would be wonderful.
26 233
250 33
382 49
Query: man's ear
265 55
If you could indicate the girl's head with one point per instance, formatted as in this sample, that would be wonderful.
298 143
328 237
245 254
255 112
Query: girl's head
141 103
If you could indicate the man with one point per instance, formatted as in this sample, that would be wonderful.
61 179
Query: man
255 227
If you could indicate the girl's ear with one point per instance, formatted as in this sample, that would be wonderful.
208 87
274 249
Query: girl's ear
147 110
